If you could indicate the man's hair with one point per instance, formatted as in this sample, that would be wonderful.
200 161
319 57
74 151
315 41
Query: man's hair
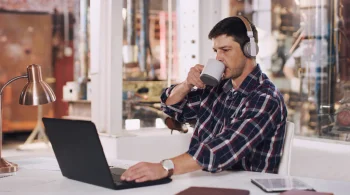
234 27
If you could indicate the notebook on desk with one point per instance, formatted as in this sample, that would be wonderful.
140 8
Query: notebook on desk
80 155
211 191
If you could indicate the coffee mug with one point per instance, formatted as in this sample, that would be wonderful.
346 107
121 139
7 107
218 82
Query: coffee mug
212 72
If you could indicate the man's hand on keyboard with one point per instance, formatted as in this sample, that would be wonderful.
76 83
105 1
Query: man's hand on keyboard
144 171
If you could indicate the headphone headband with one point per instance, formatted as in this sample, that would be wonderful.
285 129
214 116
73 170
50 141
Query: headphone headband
249 49
246 23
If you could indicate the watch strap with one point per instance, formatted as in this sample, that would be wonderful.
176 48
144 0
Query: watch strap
170 171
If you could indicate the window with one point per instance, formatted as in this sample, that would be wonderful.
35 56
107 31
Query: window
149 60
305 53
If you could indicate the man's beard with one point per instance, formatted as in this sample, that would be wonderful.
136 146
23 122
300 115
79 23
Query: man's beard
237 74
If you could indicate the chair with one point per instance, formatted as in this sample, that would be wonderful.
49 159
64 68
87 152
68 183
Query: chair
284 167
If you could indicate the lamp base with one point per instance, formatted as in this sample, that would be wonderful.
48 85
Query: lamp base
34 146
7 167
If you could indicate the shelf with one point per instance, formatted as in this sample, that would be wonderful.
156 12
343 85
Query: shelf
78 101
77 118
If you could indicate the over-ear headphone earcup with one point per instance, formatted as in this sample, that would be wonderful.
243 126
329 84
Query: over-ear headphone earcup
246 49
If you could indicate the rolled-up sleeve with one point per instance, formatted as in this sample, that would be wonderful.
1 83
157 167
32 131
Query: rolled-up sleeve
239 137
184 110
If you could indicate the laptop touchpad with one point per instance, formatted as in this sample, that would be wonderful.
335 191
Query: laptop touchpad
117 171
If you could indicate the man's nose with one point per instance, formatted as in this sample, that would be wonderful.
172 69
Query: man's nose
218 57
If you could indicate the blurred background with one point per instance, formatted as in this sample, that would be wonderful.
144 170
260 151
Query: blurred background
304 50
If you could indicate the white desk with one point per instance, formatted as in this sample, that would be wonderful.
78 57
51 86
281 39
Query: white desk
44 178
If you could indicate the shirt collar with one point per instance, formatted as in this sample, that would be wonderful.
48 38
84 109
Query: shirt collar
248 84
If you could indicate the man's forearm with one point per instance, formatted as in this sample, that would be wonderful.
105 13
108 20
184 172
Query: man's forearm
178 93
184 164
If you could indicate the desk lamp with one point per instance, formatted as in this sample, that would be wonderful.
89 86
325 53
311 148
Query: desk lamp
35 92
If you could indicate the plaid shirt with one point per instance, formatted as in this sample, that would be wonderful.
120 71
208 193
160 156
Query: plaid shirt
236 128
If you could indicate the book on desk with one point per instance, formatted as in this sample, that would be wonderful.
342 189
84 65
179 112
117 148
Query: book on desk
211 191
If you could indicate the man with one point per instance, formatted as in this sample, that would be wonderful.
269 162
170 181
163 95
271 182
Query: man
240 123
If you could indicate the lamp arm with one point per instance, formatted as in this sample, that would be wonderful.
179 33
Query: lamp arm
10 81
2 88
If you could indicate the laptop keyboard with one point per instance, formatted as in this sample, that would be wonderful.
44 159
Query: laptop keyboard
116 173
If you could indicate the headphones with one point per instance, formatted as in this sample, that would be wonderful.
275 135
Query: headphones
250 49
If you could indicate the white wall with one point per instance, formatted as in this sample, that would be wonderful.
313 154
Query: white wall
152 146
323 159
106 65
196 19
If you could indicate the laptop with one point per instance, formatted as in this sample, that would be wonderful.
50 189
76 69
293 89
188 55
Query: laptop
80 155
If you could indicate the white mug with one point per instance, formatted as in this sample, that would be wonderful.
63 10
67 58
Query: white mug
212 72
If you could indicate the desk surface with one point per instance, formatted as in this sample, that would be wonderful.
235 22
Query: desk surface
41 176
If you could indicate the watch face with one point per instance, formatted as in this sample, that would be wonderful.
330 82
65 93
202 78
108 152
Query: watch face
168 164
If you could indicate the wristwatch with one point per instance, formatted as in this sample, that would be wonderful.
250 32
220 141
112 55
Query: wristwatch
168 165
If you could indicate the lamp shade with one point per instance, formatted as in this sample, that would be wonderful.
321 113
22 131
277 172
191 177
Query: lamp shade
36 91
